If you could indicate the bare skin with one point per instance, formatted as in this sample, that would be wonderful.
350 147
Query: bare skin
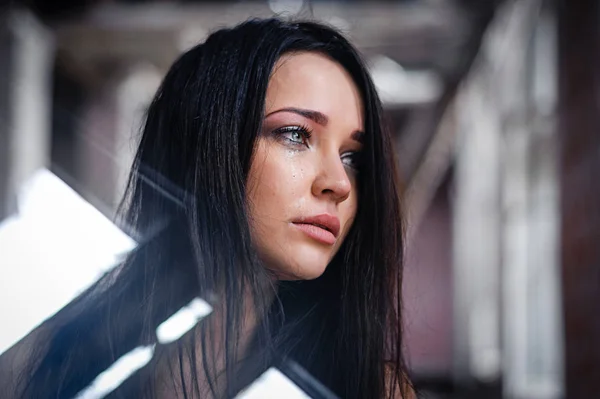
295 177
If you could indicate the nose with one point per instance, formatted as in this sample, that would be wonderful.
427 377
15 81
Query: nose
331 179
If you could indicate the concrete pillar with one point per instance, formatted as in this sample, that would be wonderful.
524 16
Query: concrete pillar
107 139
507 308
532 338
26 59
133 95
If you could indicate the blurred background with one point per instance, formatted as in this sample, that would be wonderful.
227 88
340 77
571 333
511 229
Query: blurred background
495 110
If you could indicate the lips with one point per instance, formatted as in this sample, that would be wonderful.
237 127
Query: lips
324 228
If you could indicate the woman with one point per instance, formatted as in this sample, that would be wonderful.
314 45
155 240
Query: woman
264 183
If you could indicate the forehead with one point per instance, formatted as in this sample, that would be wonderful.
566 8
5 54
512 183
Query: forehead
314 81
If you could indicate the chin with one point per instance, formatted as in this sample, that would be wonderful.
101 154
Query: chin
310 273
307 270
303 261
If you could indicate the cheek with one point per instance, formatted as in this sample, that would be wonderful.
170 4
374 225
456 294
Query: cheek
348 211
276 185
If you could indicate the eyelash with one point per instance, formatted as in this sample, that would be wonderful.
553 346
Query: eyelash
304 131
355 159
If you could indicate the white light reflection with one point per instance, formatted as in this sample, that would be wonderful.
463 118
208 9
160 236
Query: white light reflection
120 370
398 86
169 331
272 384
53 249
286 6
184 320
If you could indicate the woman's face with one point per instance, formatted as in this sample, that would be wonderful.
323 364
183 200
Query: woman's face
302 183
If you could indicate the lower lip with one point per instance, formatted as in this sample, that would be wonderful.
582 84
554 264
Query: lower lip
316 233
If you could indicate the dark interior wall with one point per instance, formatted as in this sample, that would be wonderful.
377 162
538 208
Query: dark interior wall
427 293
579 135
68 100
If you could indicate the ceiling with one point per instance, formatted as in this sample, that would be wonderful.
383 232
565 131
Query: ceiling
98 38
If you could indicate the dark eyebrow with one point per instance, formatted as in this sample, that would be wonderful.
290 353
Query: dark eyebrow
314 116
358 136
317 117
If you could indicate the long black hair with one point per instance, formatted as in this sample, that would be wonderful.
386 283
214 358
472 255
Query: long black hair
186 204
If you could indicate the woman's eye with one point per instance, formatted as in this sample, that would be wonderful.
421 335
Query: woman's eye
295 134
351 160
